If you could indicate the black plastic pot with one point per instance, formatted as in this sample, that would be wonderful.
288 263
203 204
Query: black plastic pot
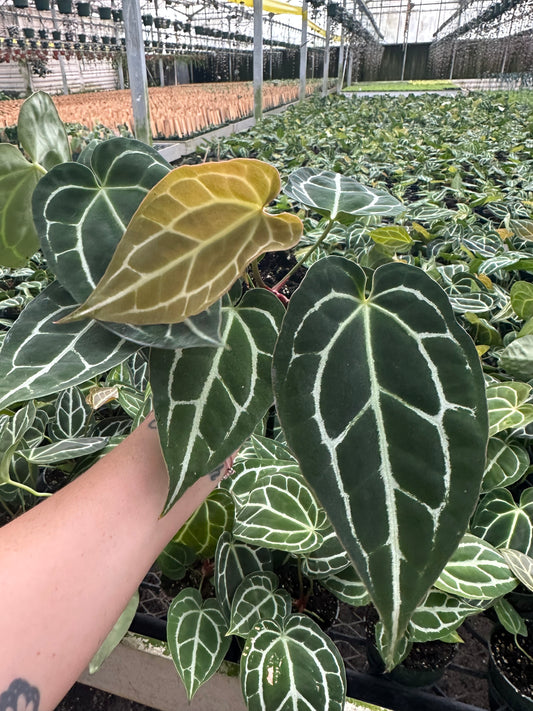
64 6
29 32
503 690
148 20
105 13
82 38
117 15
20 3
106 40
43 34
84 9
56 35
42 5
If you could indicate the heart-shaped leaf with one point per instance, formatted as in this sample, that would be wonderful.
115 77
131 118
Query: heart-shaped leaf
71 414
292 666
517 358
175 559
522 299
234 560
207 401
81 213
196 632
476 571
251 472
328 559
395 454
347 586
508 406
509 618
282 513
258 598
203 529
339 197
504 523
507 463
41 132
188 242
394 237
63 450
18 178
40 357
437 616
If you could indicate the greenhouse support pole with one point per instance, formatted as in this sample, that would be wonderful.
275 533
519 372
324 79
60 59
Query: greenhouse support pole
61 59
303 51
137 70
342 50
325 76
258 59
350 66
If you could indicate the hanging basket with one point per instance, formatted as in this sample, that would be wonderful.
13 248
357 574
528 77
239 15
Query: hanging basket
84 9
64 6
117 15
105 13
43 34
106 40
82 38
20 3
56 35
42 5
29 32
148 20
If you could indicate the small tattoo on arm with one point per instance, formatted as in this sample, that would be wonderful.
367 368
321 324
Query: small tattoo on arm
152 424
20 697
216 472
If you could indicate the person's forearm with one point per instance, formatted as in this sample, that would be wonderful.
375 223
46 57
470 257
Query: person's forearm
69 566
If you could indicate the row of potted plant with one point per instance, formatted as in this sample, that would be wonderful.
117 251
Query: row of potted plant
394 466
65 7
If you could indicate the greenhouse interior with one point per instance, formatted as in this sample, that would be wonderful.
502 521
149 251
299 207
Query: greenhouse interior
266 355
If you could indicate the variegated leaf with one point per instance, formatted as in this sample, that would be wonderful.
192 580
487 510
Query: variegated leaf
507 261
100 396
339 197
507 463
18 178
41 132
174 560
437 616
234 560
476 571
120 628
397 654
266 448
503 522
40 357
347 586
196 638
292 667
34 435
508 406
395 454
517 358
207 401
258 598
64 449
521 566
203 529
251 472
130 400
81 213
12 431
71 414
189 241
509 617
327 560
282 513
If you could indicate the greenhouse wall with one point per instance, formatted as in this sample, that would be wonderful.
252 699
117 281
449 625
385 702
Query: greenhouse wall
416 63
17 78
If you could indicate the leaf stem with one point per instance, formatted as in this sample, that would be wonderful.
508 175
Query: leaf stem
305 257
258 279
29 490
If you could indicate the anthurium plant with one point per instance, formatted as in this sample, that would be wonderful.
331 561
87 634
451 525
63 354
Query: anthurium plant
378 439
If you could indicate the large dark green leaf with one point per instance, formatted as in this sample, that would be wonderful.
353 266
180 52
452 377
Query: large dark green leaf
40 357
381 397
208 401
81 213
339 197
